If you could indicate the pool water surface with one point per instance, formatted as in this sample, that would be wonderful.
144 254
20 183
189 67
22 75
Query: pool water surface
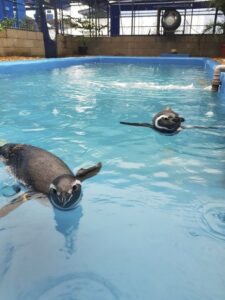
151 224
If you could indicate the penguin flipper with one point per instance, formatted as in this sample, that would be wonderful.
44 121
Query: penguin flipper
200 127
5 210
137 124
83 174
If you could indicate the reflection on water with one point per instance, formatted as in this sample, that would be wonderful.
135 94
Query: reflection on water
67 223
139 220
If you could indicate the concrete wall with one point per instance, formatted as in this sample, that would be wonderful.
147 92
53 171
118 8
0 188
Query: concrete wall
195 45
15 42
28 43
67 45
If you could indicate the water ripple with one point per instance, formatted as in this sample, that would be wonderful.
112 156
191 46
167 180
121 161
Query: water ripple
212 217
33 129
76 286
6 259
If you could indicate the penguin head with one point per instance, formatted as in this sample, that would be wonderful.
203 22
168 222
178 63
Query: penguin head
167 121
65 192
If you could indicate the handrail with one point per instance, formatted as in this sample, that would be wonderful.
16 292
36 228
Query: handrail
216 77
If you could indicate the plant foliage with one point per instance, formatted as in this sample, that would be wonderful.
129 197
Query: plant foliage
6 23
87 26
219 4
220 28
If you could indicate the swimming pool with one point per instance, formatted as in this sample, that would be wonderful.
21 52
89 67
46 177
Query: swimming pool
151 224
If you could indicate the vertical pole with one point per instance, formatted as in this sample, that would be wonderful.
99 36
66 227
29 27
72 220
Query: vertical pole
92 18
21 10
185 13
132 19
191 20
98 26
158 22
215 20
50 46
62 19
3 9
89 15
108 16
115 20
95 10
15 7
56 18
134 13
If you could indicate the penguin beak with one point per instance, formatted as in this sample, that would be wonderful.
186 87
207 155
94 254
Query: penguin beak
178 119
71 200
65 200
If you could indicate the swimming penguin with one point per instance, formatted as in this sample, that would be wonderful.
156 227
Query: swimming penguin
45 173
166 121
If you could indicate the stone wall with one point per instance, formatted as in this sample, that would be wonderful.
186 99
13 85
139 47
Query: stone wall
194 45
15 42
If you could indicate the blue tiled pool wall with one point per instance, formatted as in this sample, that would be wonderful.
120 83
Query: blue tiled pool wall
42 64
209 66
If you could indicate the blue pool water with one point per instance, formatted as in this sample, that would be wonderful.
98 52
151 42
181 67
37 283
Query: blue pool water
151 224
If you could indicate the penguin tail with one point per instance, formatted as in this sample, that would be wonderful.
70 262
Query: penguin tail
137 124
201 127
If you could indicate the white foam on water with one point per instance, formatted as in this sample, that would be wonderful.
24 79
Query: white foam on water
126 164
34 129
212 171
60 138
161 175
55 111
2 142
208 88
81 109
24 113
209 114
152 86
82 98
120 84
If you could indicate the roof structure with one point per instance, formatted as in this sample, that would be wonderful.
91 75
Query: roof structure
155 4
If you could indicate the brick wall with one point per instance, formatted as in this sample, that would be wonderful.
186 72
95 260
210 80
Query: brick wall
195 45
21 43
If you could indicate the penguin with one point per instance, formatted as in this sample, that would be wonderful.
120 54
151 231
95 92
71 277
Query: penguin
45 173
166 121
169 122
